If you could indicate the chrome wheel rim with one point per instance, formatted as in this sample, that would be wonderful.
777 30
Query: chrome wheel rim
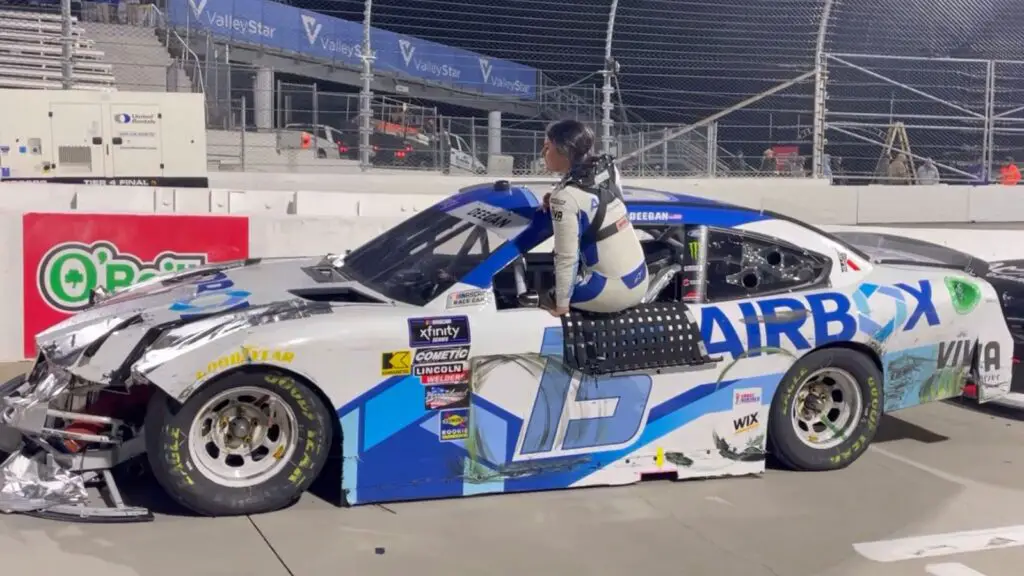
826 408
243 437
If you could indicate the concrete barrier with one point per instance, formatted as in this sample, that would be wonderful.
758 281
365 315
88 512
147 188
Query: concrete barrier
301 221
376 195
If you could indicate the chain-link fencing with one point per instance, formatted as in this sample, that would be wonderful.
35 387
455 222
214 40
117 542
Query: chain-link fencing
864 92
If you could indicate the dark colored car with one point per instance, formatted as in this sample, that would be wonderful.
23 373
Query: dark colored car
1006 276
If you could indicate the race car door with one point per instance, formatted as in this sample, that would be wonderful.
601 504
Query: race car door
744 297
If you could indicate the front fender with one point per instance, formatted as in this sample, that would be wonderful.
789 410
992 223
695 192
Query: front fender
185 373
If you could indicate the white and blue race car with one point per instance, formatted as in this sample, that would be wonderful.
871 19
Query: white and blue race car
423 360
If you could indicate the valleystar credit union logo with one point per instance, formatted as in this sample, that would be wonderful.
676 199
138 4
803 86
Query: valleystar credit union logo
67 255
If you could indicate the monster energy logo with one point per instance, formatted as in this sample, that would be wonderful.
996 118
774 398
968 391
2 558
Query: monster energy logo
69 272
694 249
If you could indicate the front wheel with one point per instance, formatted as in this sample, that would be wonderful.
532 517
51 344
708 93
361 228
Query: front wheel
248 443
826 411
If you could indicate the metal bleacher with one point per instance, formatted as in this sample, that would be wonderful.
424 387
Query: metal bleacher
30 54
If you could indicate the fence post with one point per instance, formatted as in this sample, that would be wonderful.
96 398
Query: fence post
365 93
66 58
242 139
316 120
712 144
606 90
664 151
279 105
988 151
820 83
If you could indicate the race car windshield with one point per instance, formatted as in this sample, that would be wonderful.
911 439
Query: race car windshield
421 257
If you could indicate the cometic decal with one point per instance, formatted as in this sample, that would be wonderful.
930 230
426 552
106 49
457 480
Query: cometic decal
441 331
435 355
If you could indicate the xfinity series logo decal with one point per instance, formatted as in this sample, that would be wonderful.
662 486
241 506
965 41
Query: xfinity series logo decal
448 330
69 272
312 28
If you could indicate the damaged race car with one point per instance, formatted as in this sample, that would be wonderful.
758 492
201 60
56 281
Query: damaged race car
423 360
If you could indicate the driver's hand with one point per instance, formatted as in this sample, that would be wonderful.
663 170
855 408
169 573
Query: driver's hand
558 312
547 202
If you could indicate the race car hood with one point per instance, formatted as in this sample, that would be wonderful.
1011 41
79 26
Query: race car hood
201 299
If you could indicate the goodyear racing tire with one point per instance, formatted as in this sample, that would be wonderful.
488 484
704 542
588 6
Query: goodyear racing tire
247 443
826 411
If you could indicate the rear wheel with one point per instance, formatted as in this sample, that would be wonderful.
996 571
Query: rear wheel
826 411
248 443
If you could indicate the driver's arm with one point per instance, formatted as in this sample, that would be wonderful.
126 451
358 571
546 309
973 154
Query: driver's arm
565 221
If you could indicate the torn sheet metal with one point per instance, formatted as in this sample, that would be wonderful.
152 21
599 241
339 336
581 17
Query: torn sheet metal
30 484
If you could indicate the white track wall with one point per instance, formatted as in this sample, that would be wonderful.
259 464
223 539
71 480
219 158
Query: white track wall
315 215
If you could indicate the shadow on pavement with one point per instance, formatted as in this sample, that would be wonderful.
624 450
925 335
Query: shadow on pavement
892 428
988 409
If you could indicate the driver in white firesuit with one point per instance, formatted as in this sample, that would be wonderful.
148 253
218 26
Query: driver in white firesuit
599 264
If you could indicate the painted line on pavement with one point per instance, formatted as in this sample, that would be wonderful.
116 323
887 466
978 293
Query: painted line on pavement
936 545
951 569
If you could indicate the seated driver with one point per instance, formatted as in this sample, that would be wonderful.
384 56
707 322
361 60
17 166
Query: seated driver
599 263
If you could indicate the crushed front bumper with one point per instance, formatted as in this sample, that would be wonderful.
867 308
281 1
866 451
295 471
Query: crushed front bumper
39 476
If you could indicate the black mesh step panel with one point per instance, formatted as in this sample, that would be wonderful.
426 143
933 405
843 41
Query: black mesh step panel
649 336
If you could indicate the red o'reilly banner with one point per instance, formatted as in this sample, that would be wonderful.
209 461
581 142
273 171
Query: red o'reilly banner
67 255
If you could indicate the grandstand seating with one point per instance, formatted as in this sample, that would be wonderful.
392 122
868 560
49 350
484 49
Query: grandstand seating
30 54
